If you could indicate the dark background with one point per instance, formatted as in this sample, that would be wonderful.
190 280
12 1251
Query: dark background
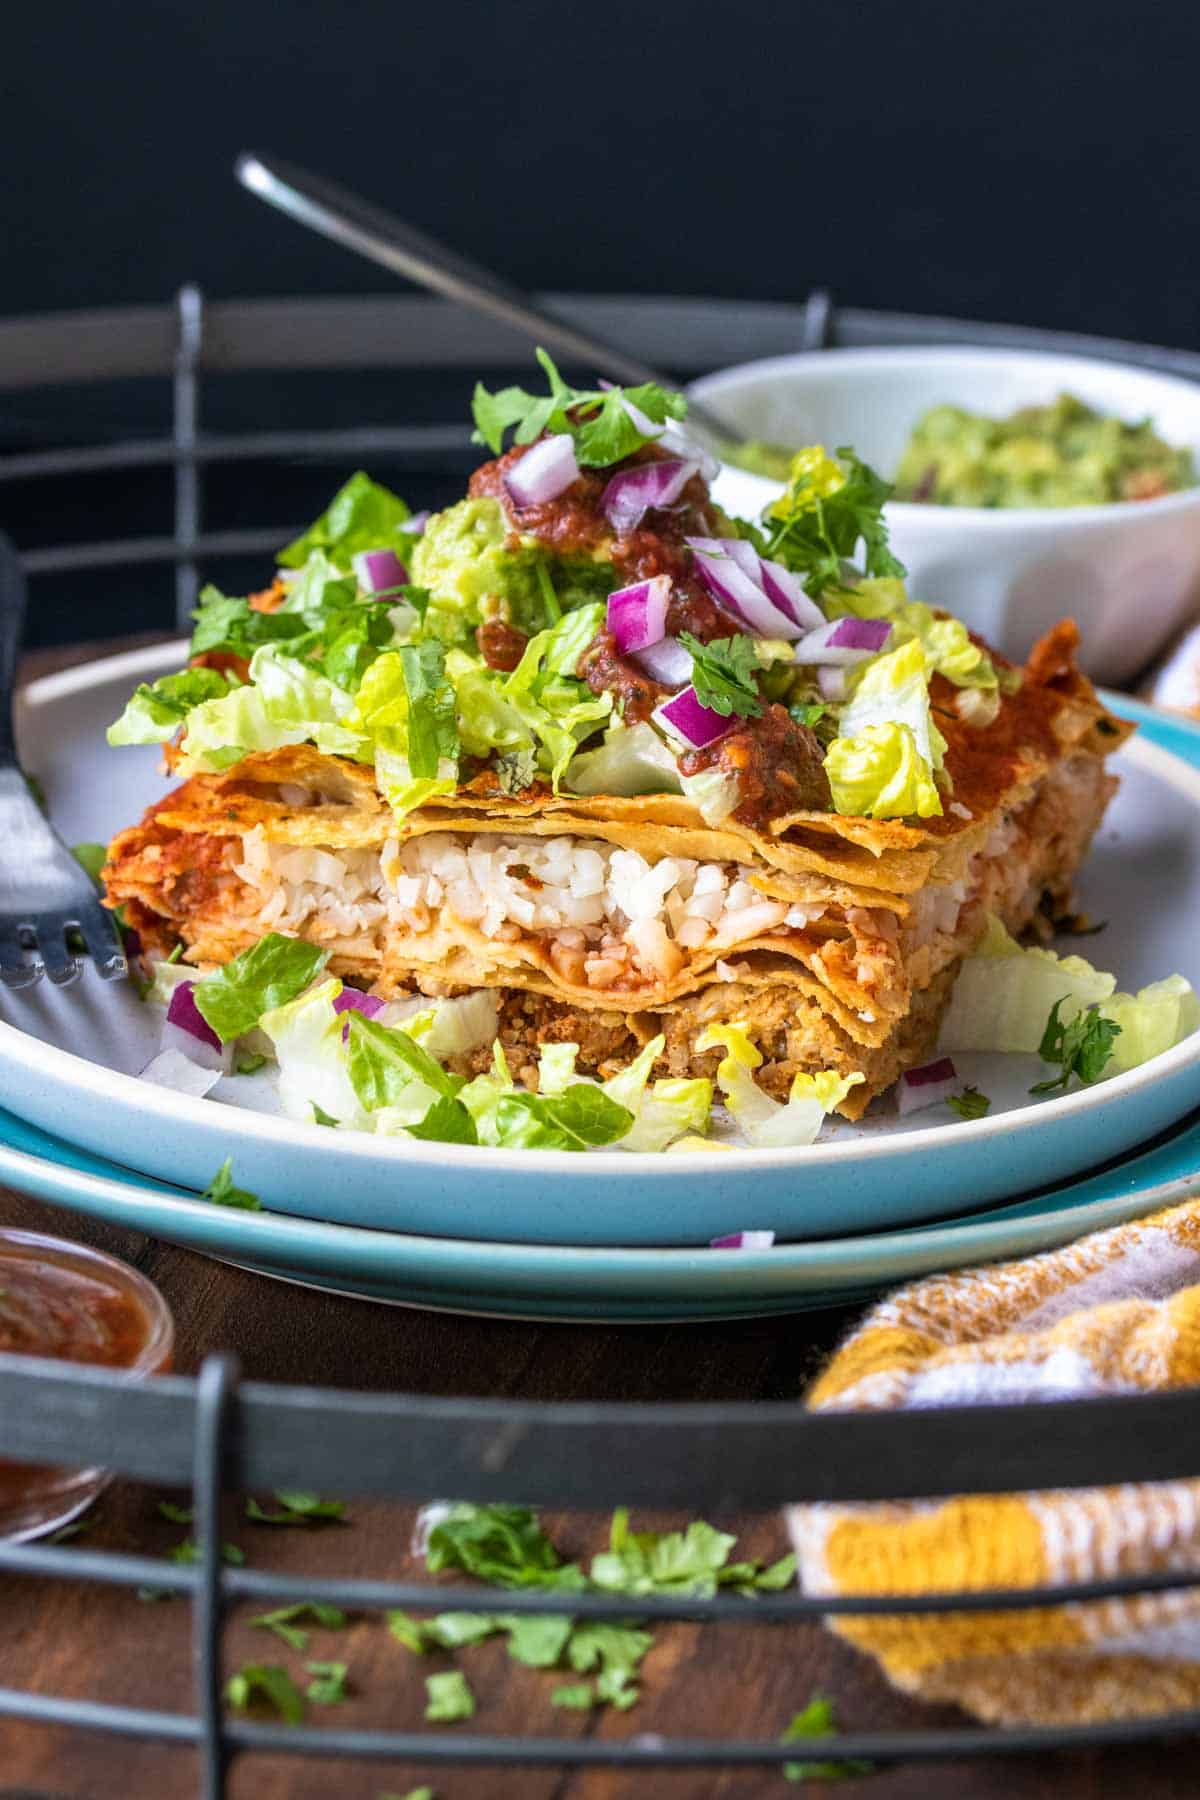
1032 162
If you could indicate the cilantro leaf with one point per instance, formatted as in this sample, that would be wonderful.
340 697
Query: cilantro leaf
970 1104
1081 1047
329 1687
363 515
817 1721
814 533
222 1192
500 1544
432 724
236 628
189 1552
577 1696
450 1699
234 998
270 1684
578 1117
671 1562
298 1509
723 674
175 1515
283 1621
597 418
446 1122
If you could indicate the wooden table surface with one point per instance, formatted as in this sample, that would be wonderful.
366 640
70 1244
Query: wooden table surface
747 1680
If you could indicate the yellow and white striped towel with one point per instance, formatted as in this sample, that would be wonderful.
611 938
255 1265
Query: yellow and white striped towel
1115 1313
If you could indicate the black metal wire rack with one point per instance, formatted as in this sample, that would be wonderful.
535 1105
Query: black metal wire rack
216 1432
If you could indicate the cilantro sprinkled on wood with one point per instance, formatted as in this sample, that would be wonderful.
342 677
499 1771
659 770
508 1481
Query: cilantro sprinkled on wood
298 1508
817 1721
269 1684
284 1621
450 1698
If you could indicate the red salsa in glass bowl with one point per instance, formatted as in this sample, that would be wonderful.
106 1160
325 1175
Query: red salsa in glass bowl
64 1301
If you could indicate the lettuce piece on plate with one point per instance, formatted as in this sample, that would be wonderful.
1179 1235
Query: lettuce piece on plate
272 972
1154 1019
630 760
1003 994
307 1038
662 1110
765 1123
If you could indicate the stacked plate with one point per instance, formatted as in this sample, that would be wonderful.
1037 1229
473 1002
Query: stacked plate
604 1235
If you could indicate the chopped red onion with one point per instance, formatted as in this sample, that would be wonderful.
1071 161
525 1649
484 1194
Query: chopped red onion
685 717
788 593
545 471
354 1000
832 682
379 570
173 1068
667 662
743 1240
843 642
632 493
722 567
637 615
188 1031
414 526
927 1086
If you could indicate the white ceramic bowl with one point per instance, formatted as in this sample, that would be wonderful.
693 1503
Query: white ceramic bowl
1128 572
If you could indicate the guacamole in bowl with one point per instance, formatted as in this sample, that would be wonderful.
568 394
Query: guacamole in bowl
1064 454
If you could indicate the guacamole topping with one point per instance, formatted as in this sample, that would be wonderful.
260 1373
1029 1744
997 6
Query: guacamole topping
1064 454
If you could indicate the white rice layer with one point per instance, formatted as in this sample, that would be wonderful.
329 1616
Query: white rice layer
611 915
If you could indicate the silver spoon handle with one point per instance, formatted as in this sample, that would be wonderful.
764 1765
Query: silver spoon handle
359 225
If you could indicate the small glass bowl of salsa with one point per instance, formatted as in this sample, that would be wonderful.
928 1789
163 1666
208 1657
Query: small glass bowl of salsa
65 1301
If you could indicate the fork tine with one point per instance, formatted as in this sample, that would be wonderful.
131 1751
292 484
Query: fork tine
15 972
60 964
103 940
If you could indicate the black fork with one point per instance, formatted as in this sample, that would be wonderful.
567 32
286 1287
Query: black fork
49 908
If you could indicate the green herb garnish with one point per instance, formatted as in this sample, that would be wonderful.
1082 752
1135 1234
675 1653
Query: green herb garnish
970 1104
1081 1047
222 1192
516 770
283 1621
297 1509
270 1684
723 674
817 1721
597 418
814 533
450 1698
329 1686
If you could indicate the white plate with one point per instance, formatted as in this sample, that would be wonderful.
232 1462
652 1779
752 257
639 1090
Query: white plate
68 1062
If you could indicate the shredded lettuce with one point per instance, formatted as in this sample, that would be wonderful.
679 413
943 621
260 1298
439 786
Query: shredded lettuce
288 702
765 1123
363 515
662 1110
882 763
233 999
1154 1019
558 710
630 759
713 792
307 1038
947 644
157 709
1003 994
